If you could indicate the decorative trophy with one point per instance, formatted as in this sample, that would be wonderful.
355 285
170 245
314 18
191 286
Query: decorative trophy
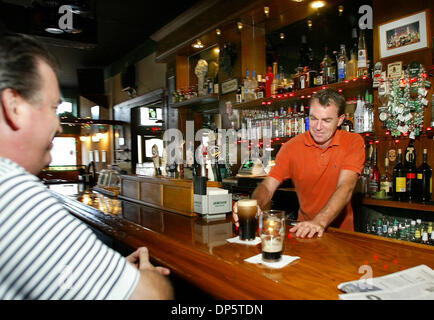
156 160
200 71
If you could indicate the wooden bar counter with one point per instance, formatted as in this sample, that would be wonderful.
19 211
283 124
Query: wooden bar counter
197 251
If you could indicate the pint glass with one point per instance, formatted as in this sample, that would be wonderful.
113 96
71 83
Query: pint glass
272 235
247 209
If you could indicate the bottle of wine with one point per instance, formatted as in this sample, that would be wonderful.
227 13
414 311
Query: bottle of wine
362 62
424 179
374 176
386 179
366 173
410 170
399 179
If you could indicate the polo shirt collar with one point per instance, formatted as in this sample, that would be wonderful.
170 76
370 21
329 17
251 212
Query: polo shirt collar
308 141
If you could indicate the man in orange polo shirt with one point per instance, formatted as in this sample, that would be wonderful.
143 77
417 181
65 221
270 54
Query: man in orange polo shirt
324 165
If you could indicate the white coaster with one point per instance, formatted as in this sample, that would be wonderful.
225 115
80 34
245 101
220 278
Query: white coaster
236 239
275 265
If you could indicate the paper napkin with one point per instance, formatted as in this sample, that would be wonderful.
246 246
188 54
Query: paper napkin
275 265
236 239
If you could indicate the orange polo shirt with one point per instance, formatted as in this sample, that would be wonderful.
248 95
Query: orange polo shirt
315 171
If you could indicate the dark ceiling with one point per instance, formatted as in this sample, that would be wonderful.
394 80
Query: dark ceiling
110 29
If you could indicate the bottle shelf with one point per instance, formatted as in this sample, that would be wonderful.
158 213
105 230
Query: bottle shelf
399 204
346 85
197 101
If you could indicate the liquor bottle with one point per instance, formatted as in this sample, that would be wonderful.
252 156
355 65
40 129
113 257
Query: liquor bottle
289 123
368 113
417 232
410 170
306 119
342 63
407 229
238 97
294 125
246 85
254 86
424 179
429 228
364 179
260 89
347 125
354 42
411 236
358 116
282 123
432 239
275 82
399 179
374 176
362 62
352 67
328 69
301 119
425 238
386 179
379 227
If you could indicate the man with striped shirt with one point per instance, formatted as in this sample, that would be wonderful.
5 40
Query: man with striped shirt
46 253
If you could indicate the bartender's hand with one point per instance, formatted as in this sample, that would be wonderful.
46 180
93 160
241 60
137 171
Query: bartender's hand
235 215
140 259
307 228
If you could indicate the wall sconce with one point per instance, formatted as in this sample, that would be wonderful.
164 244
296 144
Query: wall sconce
341 9
198 44
282 36
309 24
218 31
267 11
240 25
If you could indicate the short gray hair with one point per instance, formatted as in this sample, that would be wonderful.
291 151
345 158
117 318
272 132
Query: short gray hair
19 57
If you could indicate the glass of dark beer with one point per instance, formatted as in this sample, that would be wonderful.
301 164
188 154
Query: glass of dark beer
272 235
247 209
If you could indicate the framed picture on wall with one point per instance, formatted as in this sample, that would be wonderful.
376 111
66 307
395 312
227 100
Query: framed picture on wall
407 34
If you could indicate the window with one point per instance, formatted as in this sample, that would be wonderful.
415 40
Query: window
65 106
63 152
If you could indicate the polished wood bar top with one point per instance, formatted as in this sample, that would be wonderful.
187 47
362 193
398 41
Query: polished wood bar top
197 250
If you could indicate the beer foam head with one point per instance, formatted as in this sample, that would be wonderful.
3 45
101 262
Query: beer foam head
247 203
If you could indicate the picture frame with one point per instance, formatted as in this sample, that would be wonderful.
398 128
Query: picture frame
407 34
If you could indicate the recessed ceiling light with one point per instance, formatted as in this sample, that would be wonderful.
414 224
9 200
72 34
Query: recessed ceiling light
317 4
54 30
198 44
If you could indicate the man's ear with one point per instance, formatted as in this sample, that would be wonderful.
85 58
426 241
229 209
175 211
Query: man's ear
10 104
341 119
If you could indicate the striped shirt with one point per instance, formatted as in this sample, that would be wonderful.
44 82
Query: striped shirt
46 253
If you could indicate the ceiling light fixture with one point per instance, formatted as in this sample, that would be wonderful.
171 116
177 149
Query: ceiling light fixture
282 36
267 11
309 24
341 9
317 4
218 31
198 44
54 30
239 25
